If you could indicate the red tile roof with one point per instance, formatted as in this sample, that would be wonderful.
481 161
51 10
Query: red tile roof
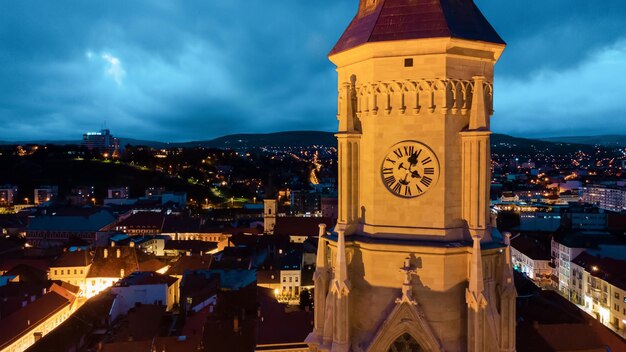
191 262
278 326
140 278
27 318
416 19
130 260
143 220
301 226
73 259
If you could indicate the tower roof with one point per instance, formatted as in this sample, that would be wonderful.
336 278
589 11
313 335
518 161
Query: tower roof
387 20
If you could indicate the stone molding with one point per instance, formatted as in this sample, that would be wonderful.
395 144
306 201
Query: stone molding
413 97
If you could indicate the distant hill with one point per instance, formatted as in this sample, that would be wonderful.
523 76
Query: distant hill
605 140
123 142
307 138
278 139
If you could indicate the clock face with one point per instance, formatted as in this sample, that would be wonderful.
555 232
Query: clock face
409 169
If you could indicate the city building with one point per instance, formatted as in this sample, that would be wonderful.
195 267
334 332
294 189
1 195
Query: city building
415 263
111 264
306 202
45 194
82 195
141 223
118 193
611 198
8 195
72 267
540 220
36 319
58 227
270 208
329 206
102 141
599 285
532 257
146 287
290 278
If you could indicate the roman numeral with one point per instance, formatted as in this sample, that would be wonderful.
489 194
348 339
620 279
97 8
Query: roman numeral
390 180
397 187
426 181
407 191
391 161
429 171
387 170
418 188
398 152
409 150
426 161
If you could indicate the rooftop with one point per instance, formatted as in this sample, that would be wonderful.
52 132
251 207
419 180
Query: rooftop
387 20
79 221
73 259
610 270
139 278
29 317
532 247
301 226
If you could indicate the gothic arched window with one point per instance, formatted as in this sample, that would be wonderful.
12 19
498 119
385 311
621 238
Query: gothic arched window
405 343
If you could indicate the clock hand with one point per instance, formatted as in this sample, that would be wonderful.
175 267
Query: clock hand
415 174
401 166
404 181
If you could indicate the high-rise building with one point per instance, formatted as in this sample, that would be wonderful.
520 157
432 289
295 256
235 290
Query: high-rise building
414 263
45 194
611 198
7 195
102 141
118 193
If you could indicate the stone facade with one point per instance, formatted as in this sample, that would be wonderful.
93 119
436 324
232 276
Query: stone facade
425 269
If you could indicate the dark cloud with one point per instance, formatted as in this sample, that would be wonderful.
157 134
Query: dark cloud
175 71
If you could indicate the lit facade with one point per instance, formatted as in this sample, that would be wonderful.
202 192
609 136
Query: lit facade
45 194
605 197
599 287
7 195
102 141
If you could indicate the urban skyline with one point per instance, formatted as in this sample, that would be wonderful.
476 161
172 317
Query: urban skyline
235 69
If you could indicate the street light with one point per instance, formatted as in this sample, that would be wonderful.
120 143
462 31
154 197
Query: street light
26 200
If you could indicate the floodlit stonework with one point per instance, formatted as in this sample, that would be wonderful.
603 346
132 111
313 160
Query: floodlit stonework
414 261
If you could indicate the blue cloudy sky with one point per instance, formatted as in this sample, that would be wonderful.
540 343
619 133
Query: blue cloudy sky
191 70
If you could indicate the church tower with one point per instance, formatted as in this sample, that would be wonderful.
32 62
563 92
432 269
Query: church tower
414 262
